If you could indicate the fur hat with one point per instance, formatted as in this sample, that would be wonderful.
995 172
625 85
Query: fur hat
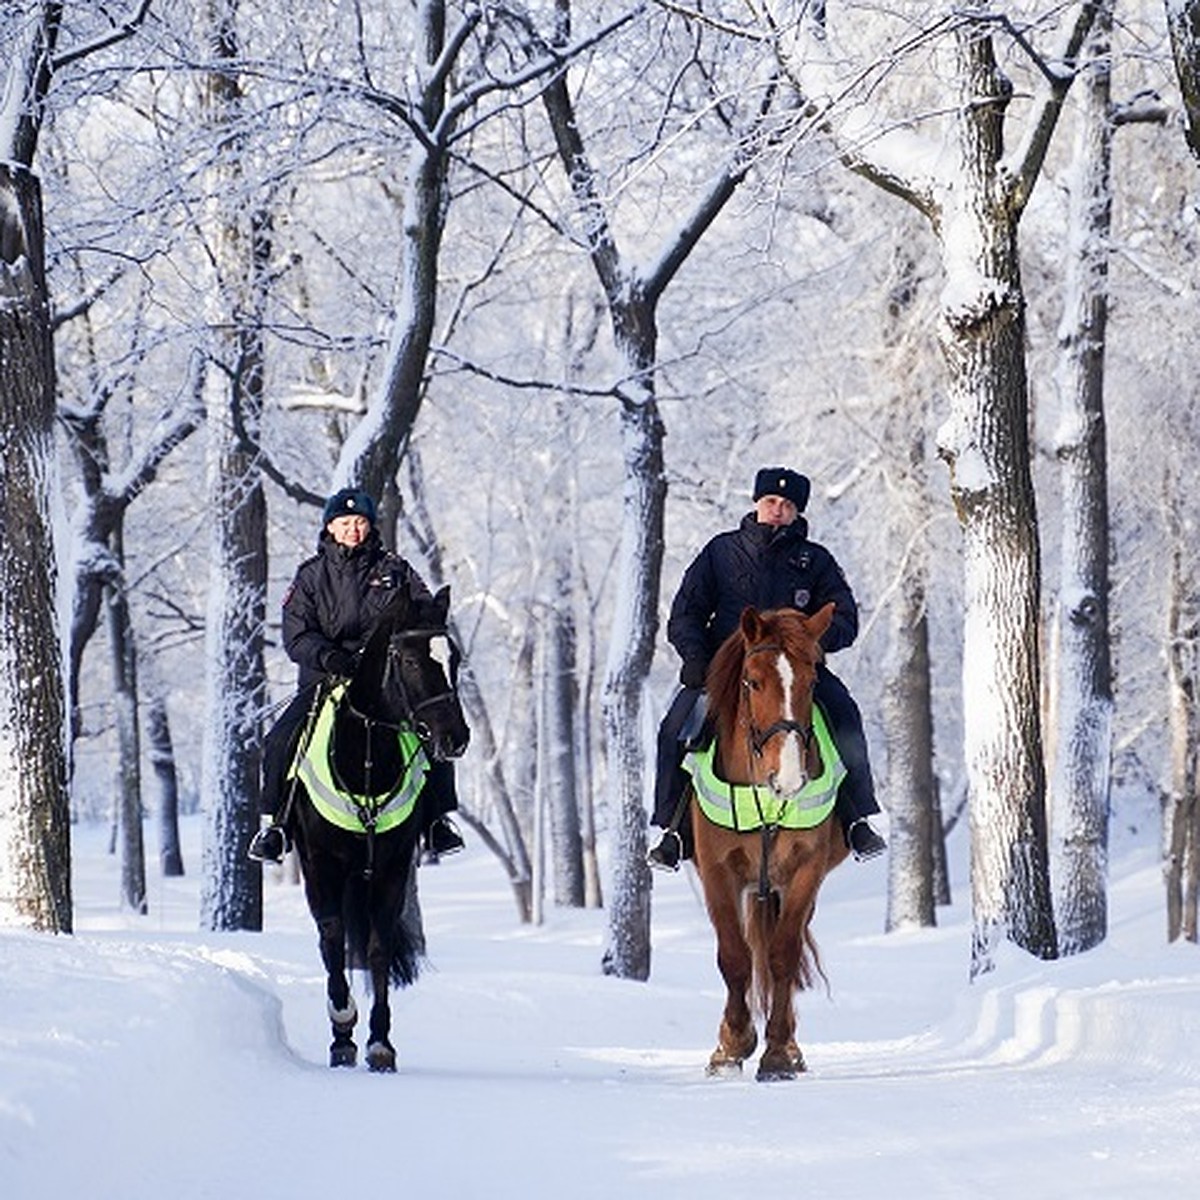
782 481
349 502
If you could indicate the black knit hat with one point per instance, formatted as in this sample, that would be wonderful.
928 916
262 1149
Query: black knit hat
782 481
349 502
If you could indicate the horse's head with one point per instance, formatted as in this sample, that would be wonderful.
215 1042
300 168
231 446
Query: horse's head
415 681
761 692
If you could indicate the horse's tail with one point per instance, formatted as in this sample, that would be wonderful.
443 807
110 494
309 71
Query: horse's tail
408 943
762 919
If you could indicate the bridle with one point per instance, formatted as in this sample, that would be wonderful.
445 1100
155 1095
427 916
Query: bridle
758 738
395 651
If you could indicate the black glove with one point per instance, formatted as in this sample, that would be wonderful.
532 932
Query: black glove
692 673
338 661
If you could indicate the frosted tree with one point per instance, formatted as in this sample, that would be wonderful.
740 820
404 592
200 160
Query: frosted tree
1181 817
231 896
914 813
35 867
34 833
633 286
1081 717
1183 24
959 171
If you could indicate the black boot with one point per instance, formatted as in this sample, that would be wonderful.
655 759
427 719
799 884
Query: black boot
269 844
442 837
666 854
863 841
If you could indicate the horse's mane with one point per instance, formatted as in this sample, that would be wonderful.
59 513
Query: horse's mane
786 626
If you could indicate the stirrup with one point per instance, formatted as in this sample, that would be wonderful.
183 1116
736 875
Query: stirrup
666 854
269 844
863 841
441 838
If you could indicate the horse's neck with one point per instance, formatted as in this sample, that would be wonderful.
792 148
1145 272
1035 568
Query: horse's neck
733 752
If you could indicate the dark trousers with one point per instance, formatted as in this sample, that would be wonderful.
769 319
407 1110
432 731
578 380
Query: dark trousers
856 796
438 797
670 779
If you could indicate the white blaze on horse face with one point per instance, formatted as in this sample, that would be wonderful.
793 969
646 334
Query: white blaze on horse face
791 775
439 651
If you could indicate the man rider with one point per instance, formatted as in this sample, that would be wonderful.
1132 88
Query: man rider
768 561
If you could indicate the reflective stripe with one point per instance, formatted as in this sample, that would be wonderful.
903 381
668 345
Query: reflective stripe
743 807
345 809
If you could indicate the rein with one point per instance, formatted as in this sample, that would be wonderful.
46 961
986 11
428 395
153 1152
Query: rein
756 741
418 634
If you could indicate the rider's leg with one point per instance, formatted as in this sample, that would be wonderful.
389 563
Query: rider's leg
440 798
670 784
856 798
270 843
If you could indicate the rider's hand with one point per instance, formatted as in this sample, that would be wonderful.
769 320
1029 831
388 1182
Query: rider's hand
337 661
692 673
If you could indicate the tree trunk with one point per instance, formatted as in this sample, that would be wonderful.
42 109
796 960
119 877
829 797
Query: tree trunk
231 895
162 761
1083 701
915 835
1181 811
1183 24
631 651
908 718
129 771
561 703
986 443
35 851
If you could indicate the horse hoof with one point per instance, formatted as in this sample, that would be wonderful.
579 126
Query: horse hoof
343 1054
381 1057
775 1067
722 1065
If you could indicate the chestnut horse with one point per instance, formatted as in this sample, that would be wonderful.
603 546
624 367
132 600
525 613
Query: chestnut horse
764 847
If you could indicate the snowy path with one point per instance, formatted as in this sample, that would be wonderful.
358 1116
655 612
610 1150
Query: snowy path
141 1060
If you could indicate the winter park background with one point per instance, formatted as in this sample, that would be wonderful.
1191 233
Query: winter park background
556 319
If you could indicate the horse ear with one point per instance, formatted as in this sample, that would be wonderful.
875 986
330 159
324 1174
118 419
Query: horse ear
821 620
751 624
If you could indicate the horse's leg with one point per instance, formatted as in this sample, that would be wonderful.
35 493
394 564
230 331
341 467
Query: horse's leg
381 1054
343 1012
736 1038
386 901
786 951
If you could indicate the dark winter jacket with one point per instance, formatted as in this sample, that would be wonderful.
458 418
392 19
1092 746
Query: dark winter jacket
335 598
760 565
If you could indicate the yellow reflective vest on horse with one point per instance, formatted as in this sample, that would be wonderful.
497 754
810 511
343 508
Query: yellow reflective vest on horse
314 769
746 807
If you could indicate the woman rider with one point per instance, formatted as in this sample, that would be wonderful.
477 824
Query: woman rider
328 613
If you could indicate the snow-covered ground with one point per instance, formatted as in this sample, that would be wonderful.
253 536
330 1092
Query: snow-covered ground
143 1060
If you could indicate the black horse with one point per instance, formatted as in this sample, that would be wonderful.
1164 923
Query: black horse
357 808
